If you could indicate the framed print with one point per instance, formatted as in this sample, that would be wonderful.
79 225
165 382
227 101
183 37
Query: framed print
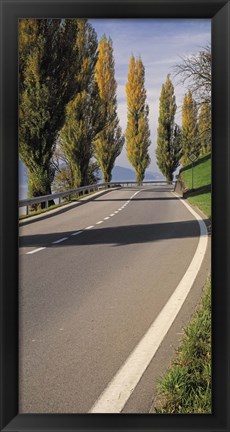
79 345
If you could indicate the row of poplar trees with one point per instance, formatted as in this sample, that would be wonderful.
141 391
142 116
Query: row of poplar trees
174 143
67 101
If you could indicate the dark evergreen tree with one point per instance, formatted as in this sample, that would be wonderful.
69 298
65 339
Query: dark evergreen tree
82 117
48 63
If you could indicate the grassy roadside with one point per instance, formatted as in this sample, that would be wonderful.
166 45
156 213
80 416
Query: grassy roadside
186 386
200 195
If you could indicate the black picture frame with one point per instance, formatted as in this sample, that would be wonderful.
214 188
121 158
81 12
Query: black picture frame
219 12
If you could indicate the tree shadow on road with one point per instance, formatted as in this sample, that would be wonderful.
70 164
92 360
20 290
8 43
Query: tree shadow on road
97 198
117 236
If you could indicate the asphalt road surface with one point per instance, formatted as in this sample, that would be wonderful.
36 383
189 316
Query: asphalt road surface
92 280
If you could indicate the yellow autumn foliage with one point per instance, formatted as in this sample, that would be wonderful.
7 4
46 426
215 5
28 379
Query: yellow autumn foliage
137 131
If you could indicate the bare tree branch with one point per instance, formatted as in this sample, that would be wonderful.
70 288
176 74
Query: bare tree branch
194 71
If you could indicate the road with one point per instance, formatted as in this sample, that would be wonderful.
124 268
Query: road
93 278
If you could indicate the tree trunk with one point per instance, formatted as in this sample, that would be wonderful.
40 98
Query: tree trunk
139 177
107 176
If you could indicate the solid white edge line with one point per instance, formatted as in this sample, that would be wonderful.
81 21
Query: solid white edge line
60 240
120 388
35 250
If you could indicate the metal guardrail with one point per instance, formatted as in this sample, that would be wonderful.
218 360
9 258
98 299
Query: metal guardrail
84 189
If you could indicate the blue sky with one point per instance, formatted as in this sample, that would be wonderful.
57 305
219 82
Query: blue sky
160 43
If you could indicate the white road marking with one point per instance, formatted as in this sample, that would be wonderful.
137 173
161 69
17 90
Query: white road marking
60 240
35 250
79 232
120 388
76 233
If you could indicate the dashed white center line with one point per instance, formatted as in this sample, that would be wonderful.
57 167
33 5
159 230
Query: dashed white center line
60 240
76 233
35 250
87 228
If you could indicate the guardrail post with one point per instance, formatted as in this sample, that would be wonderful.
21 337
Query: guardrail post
27 210
47 204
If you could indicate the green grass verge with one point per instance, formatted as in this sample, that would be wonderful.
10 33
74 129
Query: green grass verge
186 386
200 196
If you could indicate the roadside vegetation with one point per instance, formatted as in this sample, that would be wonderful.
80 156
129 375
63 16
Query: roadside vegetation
200 195
186 386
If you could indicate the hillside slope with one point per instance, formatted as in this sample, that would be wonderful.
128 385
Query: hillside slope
200 196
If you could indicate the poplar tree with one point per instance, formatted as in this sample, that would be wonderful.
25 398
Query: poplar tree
48 62
82 116
137 131
168 150
109 140
204 127
189 132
